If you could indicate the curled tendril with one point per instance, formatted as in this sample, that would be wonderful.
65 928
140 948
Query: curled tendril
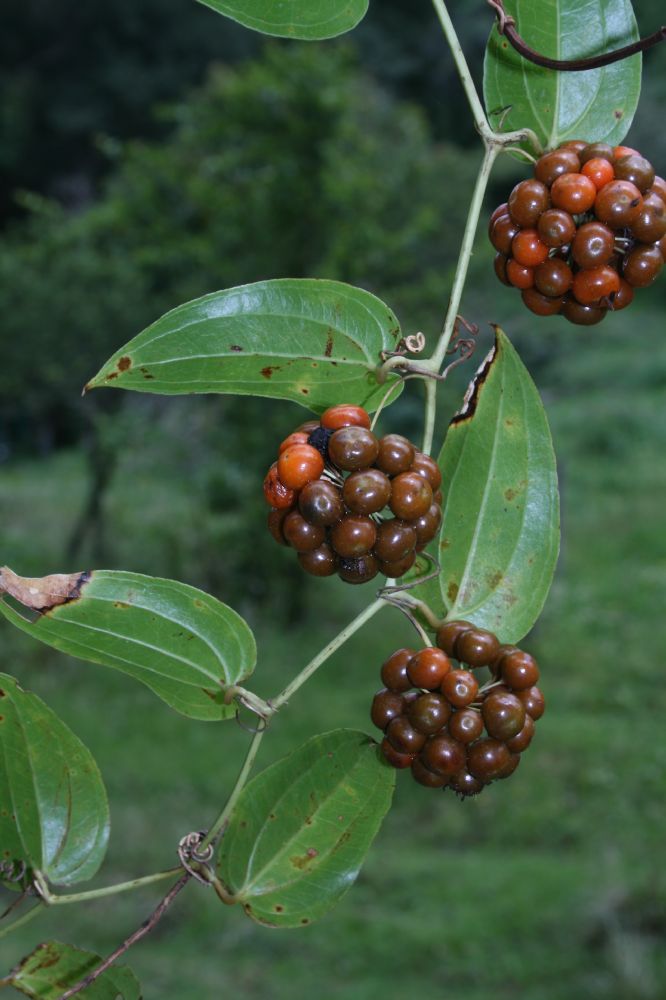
189 854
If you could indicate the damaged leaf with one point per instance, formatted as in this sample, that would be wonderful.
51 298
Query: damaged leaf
54 814
310 341
499 539
53 968
301 829
42 593
305 19
183 644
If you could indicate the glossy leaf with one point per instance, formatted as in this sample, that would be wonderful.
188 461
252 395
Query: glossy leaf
183 644
54 814
53 968
301 828
597 105
500 530
314 342
305 19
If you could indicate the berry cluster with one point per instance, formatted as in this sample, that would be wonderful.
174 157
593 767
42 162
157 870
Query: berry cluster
588 229
438 729
332 483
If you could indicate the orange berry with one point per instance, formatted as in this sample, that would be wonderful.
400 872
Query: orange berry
299 464
519 275
575 193
298 437
599 171
620 151
345 415
277 494
595 283
528 249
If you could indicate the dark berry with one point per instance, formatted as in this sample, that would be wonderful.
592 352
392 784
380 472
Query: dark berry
366 491
556 228
541 305
426 777
534 702
427 467
487 758
427 668
527 202
580 314
394 757
319 562
403 737
394 670
624 297
275 519
429 712
353 448
411 495
300 534
399 567
518 670
395 454
427 525
499 263
396 539
447 634
617 203
593 244
460 688
636 169
503 714
510 766
465 784
649 225
502 233
553 278
386 706
353 536
597 151
522 740
642 265
465 725
477 647
319 439
443 755
358 570
320 502
551 165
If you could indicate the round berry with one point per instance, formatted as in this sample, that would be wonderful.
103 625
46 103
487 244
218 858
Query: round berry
578 145
552 165
580 314
518 670
518 275
277 494
394 758
398 567
500 210
319 562
427 525
593 244
344 415
594 284
502 233
553 278
353 536
429 713
465 725
528 249
617 203
320 503
510 766
624 297
600 172
366 491
411 495
308 427
522 740
275 519
541 305
534 702
403 737
556 228
386 706
487 758
395 454
352 448
527 201
659 188
597 151
395 540
649 225
573 193
443 755
299 464
642 265
300 534
426 777
503 714
478 647
637 169
465 784
298 437
447 634
499 264
427 467
460 688
359 570
428 667
394 670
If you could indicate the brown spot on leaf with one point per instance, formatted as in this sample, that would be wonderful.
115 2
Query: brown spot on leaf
510 494
494 579
305 920
471 399
3 694
328 350
267 372
306 392
42 593
278 908
111 376
235 347
618 113
445 543
452 591
121 604
124 363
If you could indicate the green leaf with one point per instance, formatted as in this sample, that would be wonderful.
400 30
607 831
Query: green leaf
314 342
54 814
53 968
597 105
500 529
183 644
301 829
305 19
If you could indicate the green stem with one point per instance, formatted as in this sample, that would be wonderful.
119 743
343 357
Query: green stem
430 412
478 113
110 890
491 153
327 651
221 821
23 919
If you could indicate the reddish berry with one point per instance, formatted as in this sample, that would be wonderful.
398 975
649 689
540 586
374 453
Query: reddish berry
600 171
395 454
580 314
553 278
460 688
528 249
522 740
277 494
427 467
447 634
617 203
517 669
320 503
394 758
556 228
597 283
534 702
345 415
465 784
593 244
429 713
275 519
298 437
624 297
552 165
386 706
518 275
443 755
300 534
573 193
487 758
541 305
411 495
503 232
426 777
477 647
527 202
427 668
403 737
503 714
353 448
637 169
394 670
465 725
353 536
642 265
358 570
366 491
319 562
299 464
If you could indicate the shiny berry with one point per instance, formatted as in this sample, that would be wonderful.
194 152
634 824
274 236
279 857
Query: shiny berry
518 669
636 169
395 454
344 415
597 151
426 777
552 165
366 491
599 171
398 567
300 534
394 670
594 284
298 437
617 203
465 784
573 193
487 758
275 519
534 702
502 209
642 265
320 503
428 667
624 297
429 713
518 275
527 201
503 714
395 540
578 145
541 305
477 647
581 315
460 688
359 570
411 495
465 725
427 525
427 467
443 755
620 151
556 228
319 562
528 249
447 634
353 536
403 737
502 233
499 264
522 740
649 224
308 427
386 706
510 766
593 244
299 464
659 188
394 758
553 278
276 493
353 448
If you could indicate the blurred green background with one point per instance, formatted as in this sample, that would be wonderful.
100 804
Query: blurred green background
151 152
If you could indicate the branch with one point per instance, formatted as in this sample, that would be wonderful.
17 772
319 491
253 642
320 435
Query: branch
506 26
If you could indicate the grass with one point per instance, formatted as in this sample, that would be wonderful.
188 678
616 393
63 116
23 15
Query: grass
548 886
